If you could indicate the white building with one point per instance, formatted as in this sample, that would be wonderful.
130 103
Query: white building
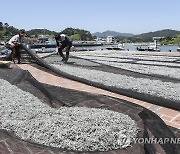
110 39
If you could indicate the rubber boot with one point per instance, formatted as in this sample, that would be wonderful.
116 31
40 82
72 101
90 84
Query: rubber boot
67 57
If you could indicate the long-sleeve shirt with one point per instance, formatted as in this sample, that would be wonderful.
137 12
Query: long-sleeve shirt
63 39
14 40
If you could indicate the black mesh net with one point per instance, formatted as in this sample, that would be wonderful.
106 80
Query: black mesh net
149 123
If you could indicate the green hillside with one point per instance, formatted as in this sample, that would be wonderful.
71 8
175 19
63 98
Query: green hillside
36 32
171 40
78 34
6 32
169 36
146 37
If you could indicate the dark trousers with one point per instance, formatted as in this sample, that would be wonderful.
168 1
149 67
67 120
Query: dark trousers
16 53
63 46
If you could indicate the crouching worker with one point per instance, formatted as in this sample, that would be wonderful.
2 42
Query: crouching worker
63 43
15 43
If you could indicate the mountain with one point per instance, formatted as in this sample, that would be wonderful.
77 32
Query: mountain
40 32
161 33
112 33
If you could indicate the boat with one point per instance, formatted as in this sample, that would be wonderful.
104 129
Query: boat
4 52
152 47
117 47
141 48
42 50
178 49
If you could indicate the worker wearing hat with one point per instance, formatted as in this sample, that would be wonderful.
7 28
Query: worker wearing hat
14 43
63 42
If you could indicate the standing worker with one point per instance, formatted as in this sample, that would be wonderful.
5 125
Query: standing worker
15 43
63 42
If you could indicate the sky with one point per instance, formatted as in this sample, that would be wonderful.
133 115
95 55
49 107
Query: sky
125 16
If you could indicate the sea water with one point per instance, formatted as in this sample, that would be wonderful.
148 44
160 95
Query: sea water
164 48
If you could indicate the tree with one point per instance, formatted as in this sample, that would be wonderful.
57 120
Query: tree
76 37
6 25
1 26
69 31
84 35
168 38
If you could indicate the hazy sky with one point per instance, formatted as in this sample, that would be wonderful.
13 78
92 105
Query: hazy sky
125 16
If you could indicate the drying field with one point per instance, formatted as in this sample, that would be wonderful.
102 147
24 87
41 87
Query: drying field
149 77
71 120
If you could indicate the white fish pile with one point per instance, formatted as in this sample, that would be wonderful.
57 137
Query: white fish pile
71 128
159 68
167 90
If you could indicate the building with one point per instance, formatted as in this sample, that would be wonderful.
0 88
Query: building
110 39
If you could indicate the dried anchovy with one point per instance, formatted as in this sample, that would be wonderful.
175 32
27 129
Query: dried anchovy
168 90
72 128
